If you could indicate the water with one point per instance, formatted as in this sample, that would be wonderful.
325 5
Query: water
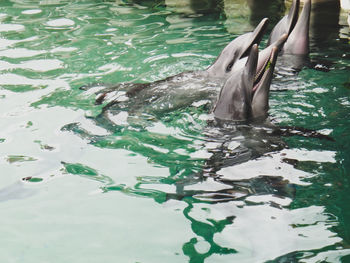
154 184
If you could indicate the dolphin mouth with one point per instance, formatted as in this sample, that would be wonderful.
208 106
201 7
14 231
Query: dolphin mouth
266 67
265 73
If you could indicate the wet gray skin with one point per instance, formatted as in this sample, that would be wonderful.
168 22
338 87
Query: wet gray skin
296 28
245 95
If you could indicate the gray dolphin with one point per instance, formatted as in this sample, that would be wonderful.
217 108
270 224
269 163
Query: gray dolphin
286 24
245 94
296 28
236 50
204 83
181 90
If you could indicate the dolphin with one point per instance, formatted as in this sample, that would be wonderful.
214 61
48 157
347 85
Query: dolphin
286 24
203 83
296 28
236 50
244 95
298 40
184 89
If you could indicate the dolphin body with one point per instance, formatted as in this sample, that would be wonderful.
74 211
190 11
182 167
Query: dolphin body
170 93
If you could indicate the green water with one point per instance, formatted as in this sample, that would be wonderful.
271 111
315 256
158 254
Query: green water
74 188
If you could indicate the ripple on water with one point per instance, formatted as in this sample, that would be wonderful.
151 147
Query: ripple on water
60 22
40 65
11 27
280 232
21 53
4 43
31 11
277 165
254 211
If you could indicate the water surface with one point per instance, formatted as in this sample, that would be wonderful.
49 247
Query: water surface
160 183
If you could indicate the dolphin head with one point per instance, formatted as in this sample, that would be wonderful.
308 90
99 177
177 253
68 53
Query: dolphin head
298 40
234 101
245 94
235 50
286 24
296 28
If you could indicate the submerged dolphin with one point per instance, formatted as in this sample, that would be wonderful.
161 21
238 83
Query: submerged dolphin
296 27
180 90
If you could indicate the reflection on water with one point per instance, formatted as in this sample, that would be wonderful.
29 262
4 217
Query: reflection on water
137 181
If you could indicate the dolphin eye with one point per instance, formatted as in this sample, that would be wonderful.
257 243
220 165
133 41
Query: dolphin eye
229 66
